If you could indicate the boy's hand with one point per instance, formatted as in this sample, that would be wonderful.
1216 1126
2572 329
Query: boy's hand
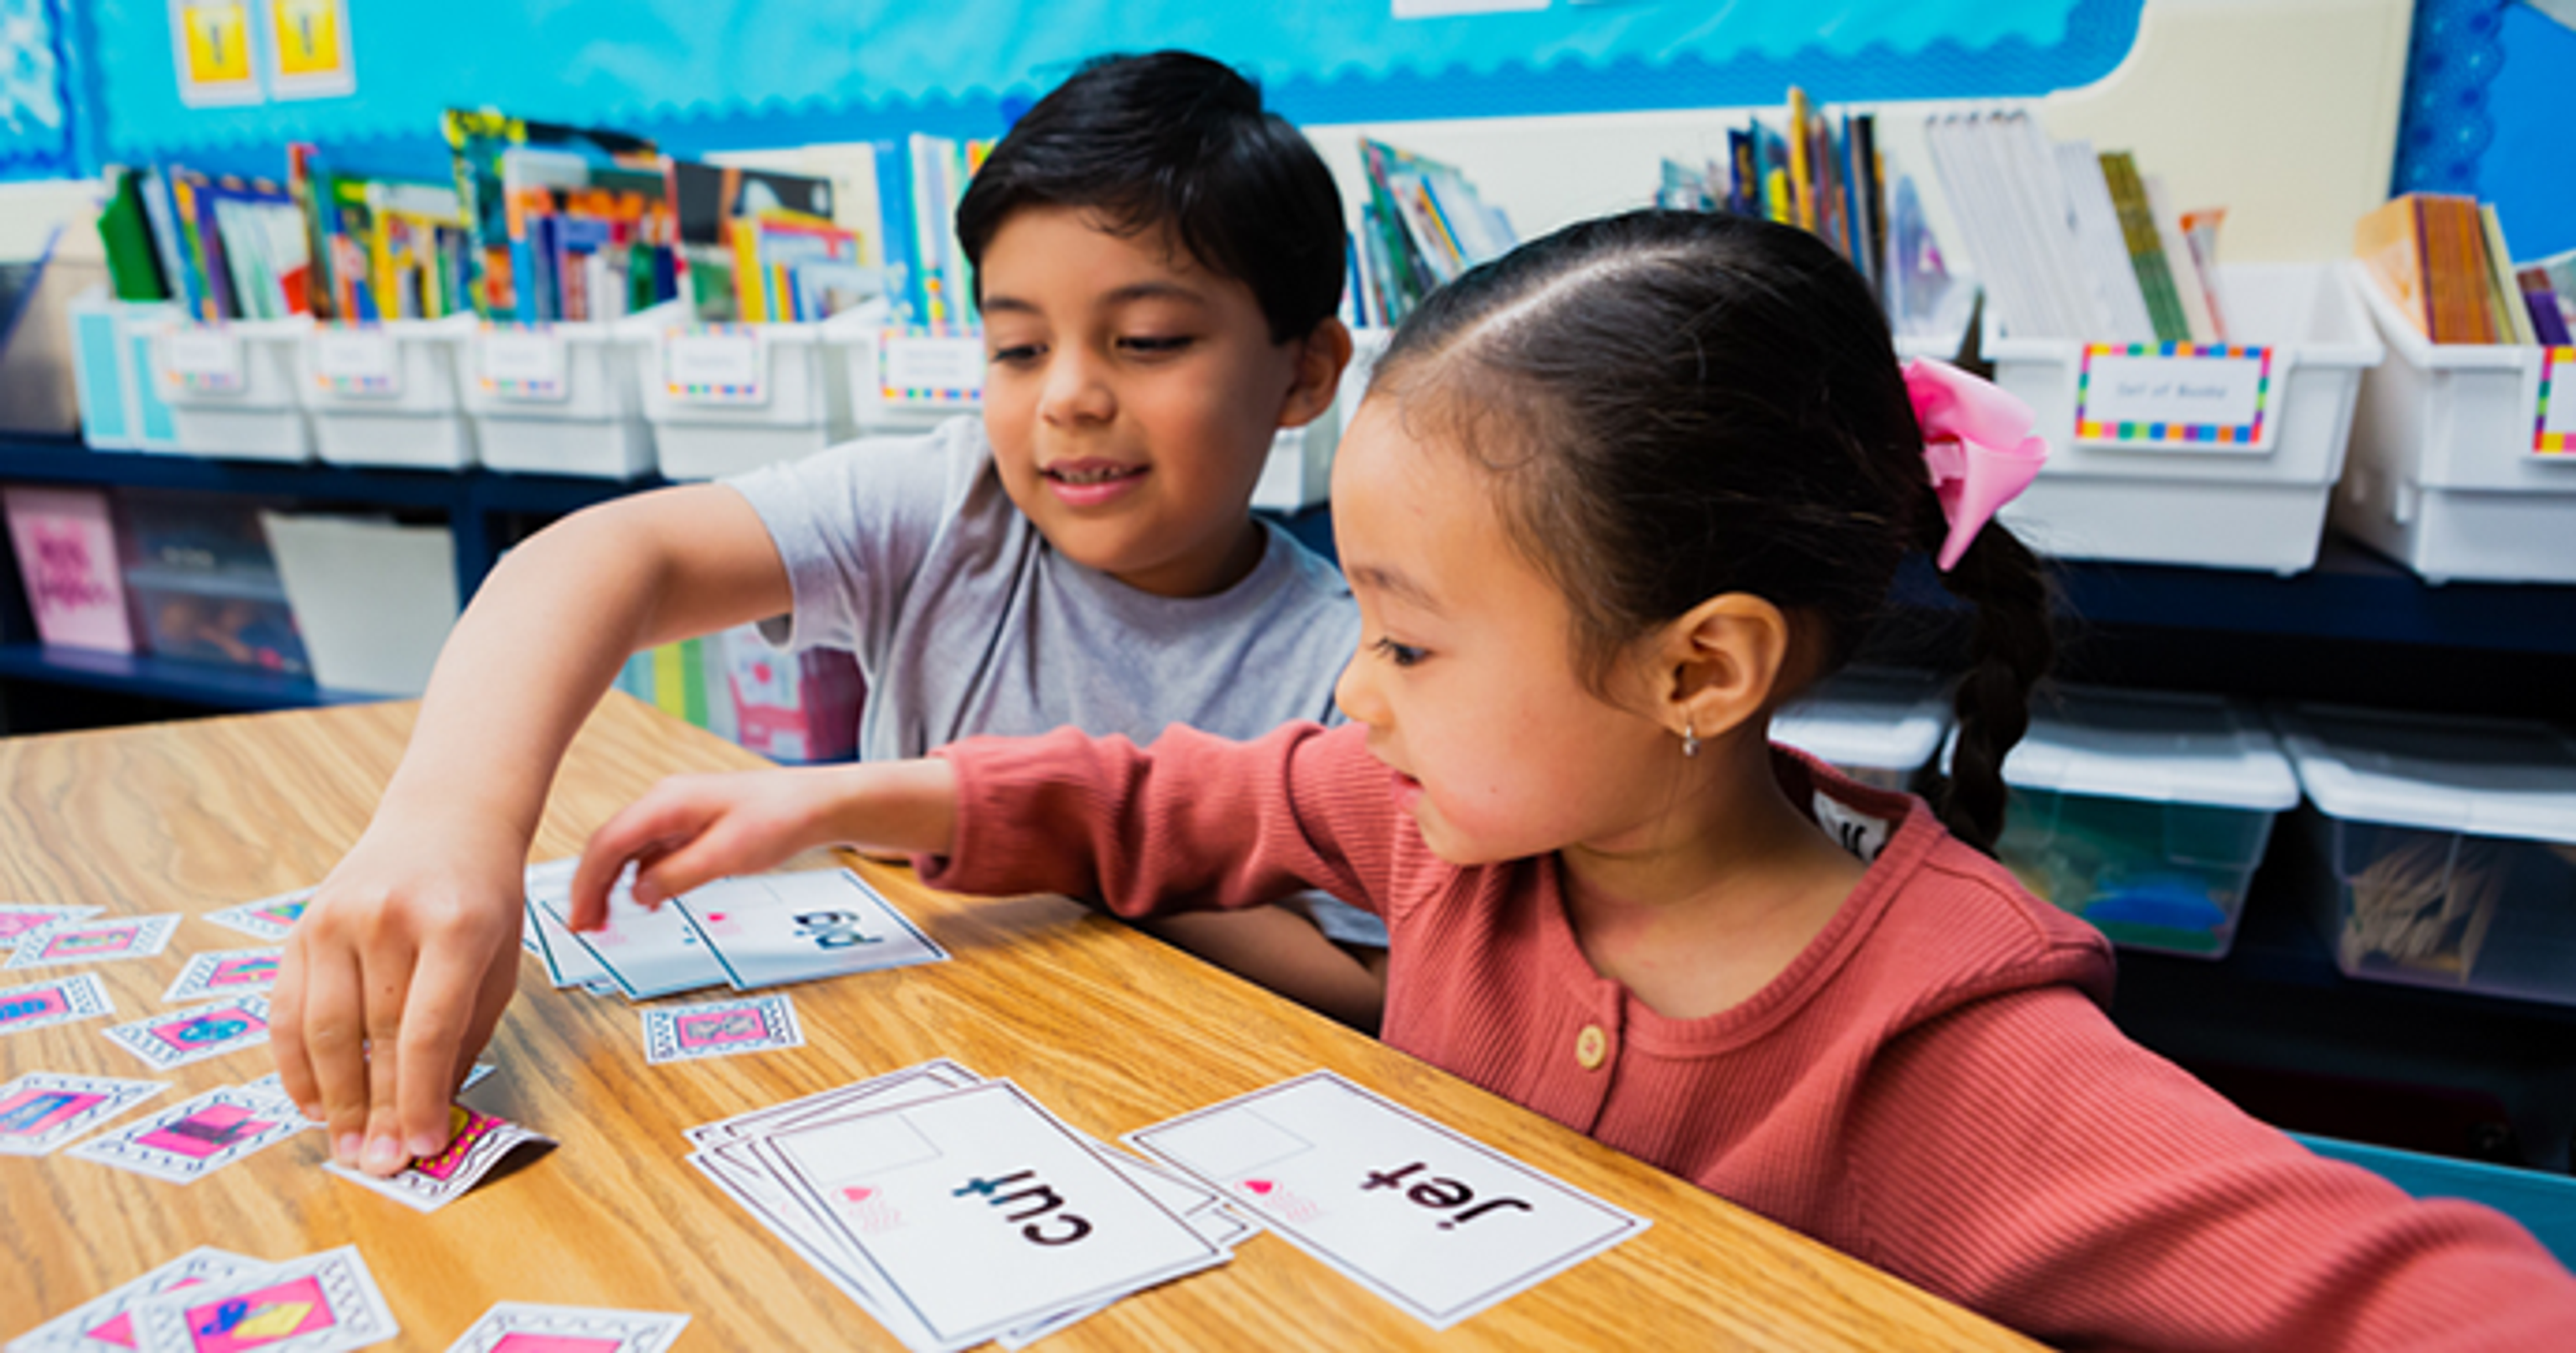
393 981
694 829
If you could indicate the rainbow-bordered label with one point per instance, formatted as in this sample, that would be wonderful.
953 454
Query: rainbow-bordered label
356 359
941 366
521 361
2553 421
715 364
2192 396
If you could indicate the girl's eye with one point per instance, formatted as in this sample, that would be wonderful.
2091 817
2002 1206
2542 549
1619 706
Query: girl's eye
1402 655
1156 346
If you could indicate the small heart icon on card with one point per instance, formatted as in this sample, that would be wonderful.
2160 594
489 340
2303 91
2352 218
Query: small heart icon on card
858 1193
1258 1186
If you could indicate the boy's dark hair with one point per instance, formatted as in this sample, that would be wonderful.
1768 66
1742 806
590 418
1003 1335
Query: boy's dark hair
1175 140
1686 404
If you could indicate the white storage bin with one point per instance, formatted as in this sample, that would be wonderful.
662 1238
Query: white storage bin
2464 456
1875 725
725 398
562 398
2221 457
231 388
2446 848
2145 814
904 380
385 394
120 403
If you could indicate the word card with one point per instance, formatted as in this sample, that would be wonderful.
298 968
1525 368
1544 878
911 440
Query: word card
224 973
43 1109
1436 1222
523 1327
196 1034
86 941
186 1142
59 1001
107 1320
323 1303
646 951
266 919
477 1143
772 929
721 1029
18 918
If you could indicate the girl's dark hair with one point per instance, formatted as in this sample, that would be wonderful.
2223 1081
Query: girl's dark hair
1175 140
1682 405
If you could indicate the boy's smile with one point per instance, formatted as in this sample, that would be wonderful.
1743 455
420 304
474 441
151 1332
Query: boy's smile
1132 398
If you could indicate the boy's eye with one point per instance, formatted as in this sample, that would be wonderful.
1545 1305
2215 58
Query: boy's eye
1402 655
1013 355
1156 345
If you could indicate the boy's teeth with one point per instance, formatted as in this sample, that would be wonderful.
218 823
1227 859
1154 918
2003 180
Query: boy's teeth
1089 476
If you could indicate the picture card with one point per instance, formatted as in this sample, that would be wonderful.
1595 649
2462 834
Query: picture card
477 1143
18 918
524 1327
772 929
225 972
106 1321
186 1142
980 1211
269 918
60 1001
193 1035
1432 1220
683 1033
44 1109
322 1303
88 941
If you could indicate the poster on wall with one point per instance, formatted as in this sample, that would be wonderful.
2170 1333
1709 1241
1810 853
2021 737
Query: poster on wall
308 49
210 43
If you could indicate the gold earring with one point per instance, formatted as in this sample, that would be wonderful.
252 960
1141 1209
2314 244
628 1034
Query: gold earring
1690 740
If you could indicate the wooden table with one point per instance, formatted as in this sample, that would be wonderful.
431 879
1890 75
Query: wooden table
1110 1029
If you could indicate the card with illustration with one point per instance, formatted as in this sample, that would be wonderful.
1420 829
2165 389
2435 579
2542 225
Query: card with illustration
569 963
60 1001
193 1035
88 941
683 1033
647 951
266 919
477 1143
44 1109
17 919
1434 1221
940 1072
322 1303
771 929
186 1142
525 1327
224 973
106 1321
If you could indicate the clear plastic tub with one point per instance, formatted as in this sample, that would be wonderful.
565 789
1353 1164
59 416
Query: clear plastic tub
726 398
2447 848
2145 814
385 394
231 388
1878 726
561 398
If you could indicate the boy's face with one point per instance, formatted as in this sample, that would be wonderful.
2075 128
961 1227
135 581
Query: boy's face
1132 398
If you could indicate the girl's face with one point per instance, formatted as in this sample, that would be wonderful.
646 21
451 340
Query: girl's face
1465 678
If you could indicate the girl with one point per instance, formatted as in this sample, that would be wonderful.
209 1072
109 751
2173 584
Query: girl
1611 501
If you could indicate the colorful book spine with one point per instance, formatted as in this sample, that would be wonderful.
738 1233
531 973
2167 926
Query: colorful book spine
2146 247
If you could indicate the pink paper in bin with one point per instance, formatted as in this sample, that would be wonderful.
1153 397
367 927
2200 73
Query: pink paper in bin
66 549
799 707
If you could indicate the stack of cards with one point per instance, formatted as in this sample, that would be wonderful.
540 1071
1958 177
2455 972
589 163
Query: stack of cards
954 1209
759 930
208 1300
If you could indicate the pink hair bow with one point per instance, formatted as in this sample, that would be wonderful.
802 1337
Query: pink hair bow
1977 443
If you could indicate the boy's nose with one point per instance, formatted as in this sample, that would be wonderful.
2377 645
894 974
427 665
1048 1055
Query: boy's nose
1075 392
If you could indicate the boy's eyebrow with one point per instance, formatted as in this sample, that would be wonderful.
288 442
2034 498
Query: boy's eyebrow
1395 584
1126 295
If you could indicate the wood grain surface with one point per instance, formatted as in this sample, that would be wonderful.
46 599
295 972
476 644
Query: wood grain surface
1109 1029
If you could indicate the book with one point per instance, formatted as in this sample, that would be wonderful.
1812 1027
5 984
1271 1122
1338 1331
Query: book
66 548
2104 248
2504 294
125 232
2540 297
2388 241
2146 247
2189 285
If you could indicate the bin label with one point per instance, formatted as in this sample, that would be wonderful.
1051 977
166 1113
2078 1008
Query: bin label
714 364
929 369
2553 413
352 360
202 359
525 363
2199 397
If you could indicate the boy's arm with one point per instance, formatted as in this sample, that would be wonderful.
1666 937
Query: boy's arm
402 966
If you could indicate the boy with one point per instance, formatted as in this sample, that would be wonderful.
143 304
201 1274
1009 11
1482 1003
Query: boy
1159 262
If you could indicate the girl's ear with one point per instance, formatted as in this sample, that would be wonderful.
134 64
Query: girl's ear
1719 665
1320 357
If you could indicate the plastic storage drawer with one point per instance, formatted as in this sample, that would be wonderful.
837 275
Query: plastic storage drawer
1879 727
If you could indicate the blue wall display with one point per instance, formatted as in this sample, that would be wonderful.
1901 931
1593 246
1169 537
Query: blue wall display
35 110
2485 114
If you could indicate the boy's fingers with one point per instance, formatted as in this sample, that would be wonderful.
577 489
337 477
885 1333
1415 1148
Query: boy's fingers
286 1030
335 1044
388 986
445 991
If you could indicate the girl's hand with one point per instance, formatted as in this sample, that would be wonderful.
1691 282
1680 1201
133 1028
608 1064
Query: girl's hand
393 981
691 830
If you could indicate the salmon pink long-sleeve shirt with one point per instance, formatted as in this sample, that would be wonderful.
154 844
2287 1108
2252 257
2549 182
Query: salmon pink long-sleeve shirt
1932 1085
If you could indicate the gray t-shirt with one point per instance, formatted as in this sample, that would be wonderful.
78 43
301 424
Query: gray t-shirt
906 552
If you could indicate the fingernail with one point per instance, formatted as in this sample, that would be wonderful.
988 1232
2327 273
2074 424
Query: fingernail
312 1113
383 1155
345 1148
425 1145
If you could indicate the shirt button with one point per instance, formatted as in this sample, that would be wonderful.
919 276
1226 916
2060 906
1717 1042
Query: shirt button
1591 1047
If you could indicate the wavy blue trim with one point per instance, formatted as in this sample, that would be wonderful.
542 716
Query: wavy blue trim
46 152
2451 62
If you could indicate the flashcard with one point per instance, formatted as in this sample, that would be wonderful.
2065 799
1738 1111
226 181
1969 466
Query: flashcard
225 973
771 929
106 1321
43 1109
721 1028
17 919
60 1001
86 941
188 1141
194 1035
266 919
1436 1222
322 1303
523 1327
568 962
939 1071
981 1212
476 1144
648 952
